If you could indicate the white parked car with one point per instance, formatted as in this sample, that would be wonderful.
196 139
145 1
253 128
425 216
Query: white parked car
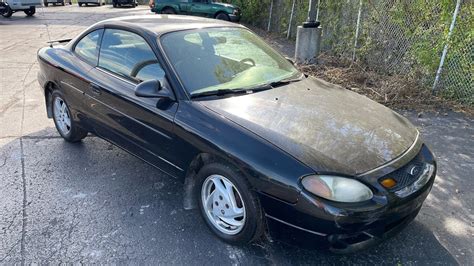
57 2
27 6
87 2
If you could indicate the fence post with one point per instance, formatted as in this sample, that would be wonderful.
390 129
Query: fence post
445 50
270 16
357 31
288 34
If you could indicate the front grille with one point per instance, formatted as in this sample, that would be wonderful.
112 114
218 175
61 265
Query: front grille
407 174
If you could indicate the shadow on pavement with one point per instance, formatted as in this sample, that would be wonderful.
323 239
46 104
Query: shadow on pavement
92 202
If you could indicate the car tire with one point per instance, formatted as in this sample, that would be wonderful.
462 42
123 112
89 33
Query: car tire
61 114
244 206
168 10
80 4
223 16
63 3
45 3
30 12
8 12
114 4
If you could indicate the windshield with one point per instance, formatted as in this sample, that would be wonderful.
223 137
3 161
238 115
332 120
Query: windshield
217 59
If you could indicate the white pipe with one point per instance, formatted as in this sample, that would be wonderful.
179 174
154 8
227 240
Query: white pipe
317 10
357 31
291 20
270 16
445 50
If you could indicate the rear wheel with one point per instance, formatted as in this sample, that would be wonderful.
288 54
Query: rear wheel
80 4
168 10
231 210
65 124
30 12
223 16
8 12
45 3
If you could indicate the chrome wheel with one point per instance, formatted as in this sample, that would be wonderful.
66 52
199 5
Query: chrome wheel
62 116
223 204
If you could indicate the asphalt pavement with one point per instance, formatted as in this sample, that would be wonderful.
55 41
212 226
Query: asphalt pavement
93 203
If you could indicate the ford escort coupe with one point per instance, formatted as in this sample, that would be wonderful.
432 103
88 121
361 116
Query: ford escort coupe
262 149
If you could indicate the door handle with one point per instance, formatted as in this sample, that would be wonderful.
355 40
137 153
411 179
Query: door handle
96 89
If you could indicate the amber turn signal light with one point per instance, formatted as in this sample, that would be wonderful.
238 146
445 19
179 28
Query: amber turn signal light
388 182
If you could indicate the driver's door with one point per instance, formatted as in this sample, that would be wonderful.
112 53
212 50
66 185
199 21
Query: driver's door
199 8
142 126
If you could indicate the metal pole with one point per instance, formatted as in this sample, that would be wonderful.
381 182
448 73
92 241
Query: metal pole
311 11
357 31
445 50
288 34
270 16
311 21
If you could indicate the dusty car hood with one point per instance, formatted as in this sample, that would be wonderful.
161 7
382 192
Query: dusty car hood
224 4
326 127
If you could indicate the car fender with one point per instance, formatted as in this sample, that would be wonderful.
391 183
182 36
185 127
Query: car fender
205 136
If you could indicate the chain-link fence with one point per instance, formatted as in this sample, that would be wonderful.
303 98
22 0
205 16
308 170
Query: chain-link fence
407 37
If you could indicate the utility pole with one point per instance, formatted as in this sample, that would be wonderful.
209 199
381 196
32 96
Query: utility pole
308 37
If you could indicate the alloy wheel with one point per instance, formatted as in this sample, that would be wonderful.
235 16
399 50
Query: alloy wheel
223 204
62 116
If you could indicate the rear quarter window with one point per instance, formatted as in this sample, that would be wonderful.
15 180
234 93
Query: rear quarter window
88 47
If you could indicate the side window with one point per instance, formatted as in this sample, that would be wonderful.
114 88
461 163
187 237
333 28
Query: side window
129 55
88 47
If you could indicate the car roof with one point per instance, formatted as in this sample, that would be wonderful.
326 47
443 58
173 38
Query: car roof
161 24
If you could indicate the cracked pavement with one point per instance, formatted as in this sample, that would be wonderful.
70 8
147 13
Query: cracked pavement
94 203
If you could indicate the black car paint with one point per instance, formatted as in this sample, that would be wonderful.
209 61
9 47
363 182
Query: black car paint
178 136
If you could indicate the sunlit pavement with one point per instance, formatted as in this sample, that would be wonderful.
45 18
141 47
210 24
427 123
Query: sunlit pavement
92 202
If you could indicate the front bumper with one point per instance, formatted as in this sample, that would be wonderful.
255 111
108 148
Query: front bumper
234 18
342 228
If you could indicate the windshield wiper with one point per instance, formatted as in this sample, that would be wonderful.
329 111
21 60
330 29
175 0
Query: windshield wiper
263 87
283 82
222 92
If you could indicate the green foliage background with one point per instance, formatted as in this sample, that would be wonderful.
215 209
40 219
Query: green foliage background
396 36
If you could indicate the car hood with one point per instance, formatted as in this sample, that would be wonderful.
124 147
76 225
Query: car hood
326 127
224 5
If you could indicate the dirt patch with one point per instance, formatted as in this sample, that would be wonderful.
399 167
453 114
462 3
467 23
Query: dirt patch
396 91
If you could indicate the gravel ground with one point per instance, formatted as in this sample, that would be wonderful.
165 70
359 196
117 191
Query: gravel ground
94 203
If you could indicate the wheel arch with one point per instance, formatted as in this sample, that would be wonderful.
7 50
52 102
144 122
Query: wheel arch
190 186
220 12
48 91
170 7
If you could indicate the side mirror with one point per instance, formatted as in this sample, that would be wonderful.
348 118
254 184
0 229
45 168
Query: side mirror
153 89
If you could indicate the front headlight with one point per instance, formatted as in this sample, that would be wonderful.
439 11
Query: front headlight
336 188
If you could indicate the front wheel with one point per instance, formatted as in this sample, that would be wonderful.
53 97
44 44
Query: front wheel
8 12
65 124
80 4
168 10
231 210
223 16
30 12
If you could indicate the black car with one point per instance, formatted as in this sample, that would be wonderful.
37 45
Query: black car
119 3
260 147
